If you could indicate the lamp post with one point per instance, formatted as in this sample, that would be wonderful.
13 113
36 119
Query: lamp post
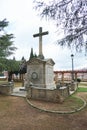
72 56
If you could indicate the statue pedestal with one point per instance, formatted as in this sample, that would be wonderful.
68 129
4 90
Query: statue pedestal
40 73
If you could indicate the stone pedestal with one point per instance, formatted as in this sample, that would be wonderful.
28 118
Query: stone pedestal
73 86
6 88
55 95
40 73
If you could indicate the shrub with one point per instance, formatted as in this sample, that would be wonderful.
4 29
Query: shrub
78 80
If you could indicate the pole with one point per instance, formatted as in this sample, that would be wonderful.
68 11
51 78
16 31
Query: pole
72 67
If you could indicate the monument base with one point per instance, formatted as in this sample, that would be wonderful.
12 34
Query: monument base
47 86
52 95
51 86
41 56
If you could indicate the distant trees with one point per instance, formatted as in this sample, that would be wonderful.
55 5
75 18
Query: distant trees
32 55
70 16
10 65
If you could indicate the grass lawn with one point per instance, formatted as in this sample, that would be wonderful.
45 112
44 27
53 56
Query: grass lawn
3 82
83 84
72 103
16 84
82 89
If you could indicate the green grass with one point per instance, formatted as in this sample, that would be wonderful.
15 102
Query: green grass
72 99
83 83
16 84
2 82
82 89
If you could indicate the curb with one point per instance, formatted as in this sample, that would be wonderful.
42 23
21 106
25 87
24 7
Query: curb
59 112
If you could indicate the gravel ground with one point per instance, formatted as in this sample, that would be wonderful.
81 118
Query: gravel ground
17 114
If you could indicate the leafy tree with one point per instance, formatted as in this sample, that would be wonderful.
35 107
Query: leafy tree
9 65
6 43
12 67
71 16
35 55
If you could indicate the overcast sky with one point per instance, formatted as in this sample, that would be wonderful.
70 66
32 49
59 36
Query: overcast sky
24 22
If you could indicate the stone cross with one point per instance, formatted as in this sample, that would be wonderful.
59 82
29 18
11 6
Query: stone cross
40 34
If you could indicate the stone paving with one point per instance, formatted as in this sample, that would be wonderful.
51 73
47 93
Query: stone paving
19 91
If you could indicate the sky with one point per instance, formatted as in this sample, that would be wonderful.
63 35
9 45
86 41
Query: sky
24 22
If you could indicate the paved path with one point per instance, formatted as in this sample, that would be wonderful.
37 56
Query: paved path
19 91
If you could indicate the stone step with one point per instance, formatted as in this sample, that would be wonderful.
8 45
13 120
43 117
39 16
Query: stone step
19 91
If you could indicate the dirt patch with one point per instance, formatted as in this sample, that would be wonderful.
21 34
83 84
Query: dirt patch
70 104
17 114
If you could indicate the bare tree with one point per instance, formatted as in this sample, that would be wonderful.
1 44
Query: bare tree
71 16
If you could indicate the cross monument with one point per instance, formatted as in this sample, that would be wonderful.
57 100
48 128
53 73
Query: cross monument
40 34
